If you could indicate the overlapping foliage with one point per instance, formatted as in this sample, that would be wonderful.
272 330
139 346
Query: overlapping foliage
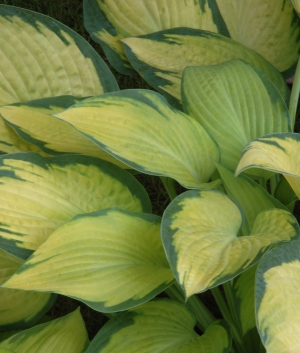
74 220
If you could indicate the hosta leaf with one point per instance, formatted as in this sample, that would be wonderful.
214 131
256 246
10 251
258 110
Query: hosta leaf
19 309
161 326
51 135
64 335
142 130
277 299
161 57
276 152
269 27
285 194
235 104
296 4
118 264
250 196
199 233
41 57
108 21
38 194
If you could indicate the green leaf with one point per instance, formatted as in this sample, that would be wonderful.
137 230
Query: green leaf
161 57
277 298
142 130
64 335
250 196
235 104
39 194
269 28
296 4
41 57
161 326
276 152
49 134
285 194
108 22
200 236
19 309
118 264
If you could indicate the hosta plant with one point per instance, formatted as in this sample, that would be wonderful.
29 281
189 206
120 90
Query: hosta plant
76 222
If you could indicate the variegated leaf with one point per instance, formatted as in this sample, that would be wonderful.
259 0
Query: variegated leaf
269 27
276 152
64 335
235 104
49 134
277 299
161 57
111 260
161 326
39 194
19 309
142 130
200 235
109 21
40 57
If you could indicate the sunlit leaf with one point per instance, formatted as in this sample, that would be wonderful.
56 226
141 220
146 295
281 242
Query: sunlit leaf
277 299
40 57
64 335
19 309
39 194
276 152
119 263
161 326
161 57
200 235
142 130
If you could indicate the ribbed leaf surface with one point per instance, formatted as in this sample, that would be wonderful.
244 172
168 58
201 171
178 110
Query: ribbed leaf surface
112 260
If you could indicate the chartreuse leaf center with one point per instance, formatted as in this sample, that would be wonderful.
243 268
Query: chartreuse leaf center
200 235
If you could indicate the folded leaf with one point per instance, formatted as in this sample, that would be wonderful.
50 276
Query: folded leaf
41 57
250 196
276 152
199 234
161 57
268 27
19 309
119 263
142 130
64 335
108 21
277 298
161 326
39 194
51 135
235 104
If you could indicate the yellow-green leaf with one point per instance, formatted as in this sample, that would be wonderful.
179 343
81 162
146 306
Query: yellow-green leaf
51 135
277 299
119 263
39 194
252 197
296 4
161 326
109 21
64 335
269 27
161 57
200 235
276 152
41 57
235 104
142 130
19 309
